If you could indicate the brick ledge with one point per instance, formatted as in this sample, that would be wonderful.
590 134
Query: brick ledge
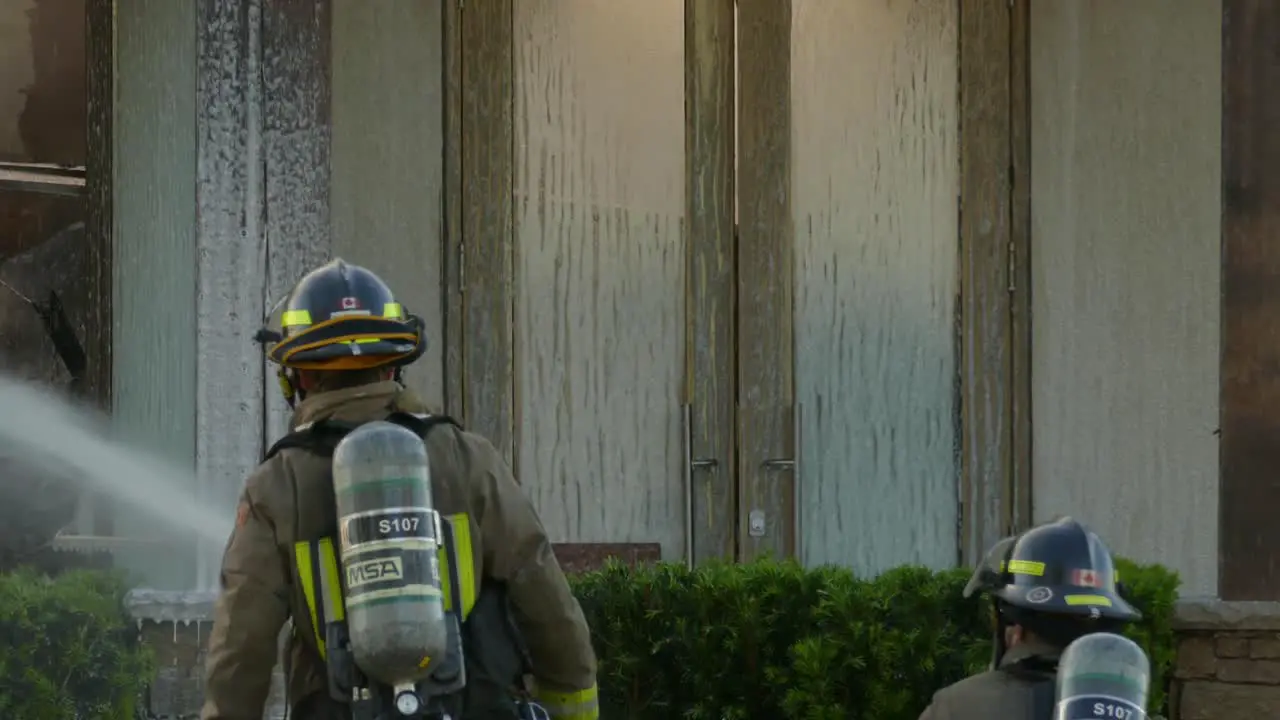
1229 615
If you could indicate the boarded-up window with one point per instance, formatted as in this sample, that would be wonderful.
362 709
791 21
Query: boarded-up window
47 304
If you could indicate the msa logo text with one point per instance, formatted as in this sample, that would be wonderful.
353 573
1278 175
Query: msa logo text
374 570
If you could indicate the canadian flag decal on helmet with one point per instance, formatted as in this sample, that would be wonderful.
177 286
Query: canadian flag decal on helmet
350 303
1086 578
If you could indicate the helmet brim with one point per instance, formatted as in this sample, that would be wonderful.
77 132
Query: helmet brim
349 343
1069 600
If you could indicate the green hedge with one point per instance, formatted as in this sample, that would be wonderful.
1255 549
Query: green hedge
763 640
68 648
774 640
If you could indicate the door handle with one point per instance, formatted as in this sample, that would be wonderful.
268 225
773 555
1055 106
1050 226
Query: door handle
691 465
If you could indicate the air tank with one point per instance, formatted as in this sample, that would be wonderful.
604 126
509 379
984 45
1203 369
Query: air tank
1102 675
389 534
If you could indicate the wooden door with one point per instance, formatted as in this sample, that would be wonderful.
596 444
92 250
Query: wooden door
574 262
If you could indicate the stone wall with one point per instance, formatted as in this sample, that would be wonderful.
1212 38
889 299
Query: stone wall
1228 664
176 628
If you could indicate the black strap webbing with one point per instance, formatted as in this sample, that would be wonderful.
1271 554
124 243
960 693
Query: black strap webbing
1040 673
323 436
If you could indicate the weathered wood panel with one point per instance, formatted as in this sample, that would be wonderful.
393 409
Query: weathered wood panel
709 208
1126 164
387 156
601 267
488 94
1020 280
154 259
765 414
231 254
986 490
1250 393
876 181
295 156
454 340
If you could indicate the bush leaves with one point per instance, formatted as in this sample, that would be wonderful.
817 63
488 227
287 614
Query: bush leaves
773 640
68 648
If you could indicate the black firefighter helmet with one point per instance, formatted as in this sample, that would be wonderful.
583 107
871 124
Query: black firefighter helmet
1059 568
341 317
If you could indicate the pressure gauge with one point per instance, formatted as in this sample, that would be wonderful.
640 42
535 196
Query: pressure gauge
407 703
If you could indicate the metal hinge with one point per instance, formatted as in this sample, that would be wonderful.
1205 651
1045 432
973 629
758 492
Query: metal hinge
1013 264
462 266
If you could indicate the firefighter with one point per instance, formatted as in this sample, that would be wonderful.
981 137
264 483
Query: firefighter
342 341
1049 586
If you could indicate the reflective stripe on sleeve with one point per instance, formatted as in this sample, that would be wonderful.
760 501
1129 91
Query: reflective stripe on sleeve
580 705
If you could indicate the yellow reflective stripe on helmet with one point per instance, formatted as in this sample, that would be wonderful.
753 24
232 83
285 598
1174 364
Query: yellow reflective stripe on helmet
1025 567
302 318
295 318
318 575
580 705
456 560
1088 600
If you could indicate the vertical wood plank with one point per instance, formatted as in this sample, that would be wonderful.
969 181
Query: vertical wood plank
709 193
488 381
454 338
985 182
295 157
1249 543
231 254
766 431
1020 503
100 45
100 81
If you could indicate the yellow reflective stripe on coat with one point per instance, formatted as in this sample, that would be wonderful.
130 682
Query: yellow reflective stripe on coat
580 705
457 535
321 580
321 584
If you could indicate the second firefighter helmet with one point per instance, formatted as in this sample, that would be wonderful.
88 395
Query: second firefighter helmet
342 317
1059 568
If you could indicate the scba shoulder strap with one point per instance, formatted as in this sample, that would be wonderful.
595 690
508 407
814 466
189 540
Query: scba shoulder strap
323 436
1040 674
